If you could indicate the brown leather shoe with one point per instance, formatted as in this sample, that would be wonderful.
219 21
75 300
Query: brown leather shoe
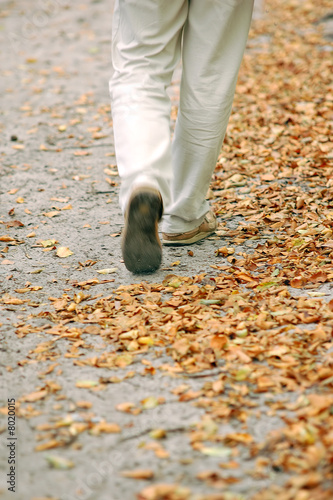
206 228
141 246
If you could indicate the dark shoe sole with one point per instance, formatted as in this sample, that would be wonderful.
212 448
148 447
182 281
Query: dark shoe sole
141 246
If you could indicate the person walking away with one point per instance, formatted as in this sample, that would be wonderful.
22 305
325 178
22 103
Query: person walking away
160 176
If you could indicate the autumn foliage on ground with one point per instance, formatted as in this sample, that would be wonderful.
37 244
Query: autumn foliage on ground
260 320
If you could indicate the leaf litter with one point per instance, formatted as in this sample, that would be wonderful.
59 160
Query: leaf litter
260 318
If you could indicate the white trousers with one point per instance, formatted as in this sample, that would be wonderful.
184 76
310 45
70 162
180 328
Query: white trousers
148 39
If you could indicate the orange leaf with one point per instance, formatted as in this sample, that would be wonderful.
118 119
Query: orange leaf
53 443
318 277
164 491
35 396
82 153
218 342
12 300
240 437
6 238
105 427
298 282
306 480
126 407
189 395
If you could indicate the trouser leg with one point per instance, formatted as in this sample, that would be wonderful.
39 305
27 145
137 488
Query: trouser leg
214 40
145 50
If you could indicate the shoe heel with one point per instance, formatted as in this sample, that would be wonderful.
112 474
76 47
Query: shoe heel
141 246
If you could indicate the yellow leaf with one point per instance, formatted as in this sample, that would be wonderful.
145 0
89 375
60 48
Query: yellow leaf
218 451
86 384
123 360
48 243
64 252
145 341
157 434
125 407
59 462
108 270
53 213
149 403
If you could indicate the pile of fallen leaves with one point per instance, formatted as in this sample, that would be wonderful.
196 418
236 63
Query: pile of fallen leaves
260 320
247 324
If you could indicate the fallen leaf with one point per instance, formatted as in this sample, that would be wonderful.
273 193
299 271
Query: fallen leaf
162 491
86 384
217 451
7 299
218 342
51 214
108 270
157 434
6 238
150 402
48 243
53 443
57 462
138 473
14 223
35 396
105 427
64 252
125 407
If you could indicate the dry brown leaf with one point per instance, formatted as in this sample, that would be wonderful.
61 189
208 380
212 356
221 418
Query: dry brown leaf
163 491
35 396
105 427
